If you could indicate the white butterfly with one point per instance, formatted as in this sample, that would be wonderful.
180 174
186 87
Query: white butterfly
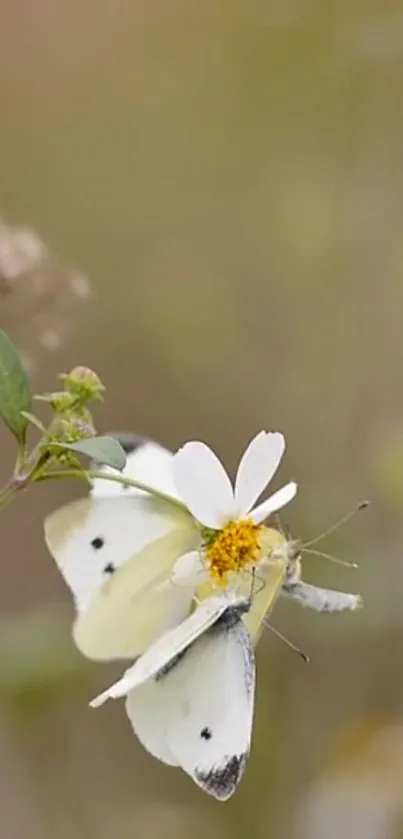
120 610
190 696
187 696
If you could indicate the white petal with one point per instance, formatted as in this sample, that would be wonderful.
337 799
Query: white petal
256 468
203 484
276 501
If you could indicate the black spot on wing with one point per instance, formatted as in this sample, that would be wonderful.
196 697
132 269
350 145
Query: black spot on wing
206 733
109 569
222 782
97 543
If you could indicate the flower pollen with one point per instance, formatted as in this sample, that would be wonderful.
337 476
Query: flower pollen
233 548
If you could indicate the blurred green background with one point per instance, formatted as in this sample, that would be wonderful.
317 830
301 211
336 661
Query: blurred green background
229 176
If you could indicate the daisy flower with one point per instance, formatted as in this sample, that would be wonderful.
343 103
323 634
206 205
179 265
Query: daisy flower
232 533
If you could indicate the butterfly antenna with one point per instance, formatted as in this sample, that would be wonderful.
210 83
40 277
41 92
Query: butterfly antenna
332 558
283 528
279 524
262 584
288 642
256 578
361 506
252 587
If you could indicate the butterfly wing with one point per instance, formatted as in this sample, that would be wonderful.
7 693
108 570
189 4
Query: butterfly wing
90 539
162 655
138 604
199 714
152 667
271 578
147 462
95 542
151 708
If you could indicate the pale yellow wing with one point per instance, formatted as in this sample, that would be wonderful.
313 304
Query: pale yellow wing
263 602
120 609
138 603
270 576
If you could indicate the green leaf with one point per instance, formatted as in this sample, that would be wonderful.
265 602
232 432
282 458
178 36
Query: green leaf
34 421
105 450
15 391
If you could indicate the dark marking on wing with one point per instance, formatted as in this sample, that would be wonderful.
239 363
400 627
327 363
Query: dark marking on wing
206 733
231 616
250 663
231 620
222 783
109 568
170 665
129 443
97 543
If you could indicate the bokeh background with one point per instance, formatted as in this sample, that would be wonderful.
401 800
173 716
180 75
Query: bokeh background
204 202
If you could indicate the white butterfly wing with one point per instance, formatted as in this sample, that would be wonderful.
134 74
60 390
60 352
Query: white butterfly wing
151 709
147 462
95 542
163 653
91 538
199 713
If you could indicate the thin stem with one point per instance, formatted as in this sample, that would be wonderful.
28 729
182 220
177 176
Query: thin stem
119 479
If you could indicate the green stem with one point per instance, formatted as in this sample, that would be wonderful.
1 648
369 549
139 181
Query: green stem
119 479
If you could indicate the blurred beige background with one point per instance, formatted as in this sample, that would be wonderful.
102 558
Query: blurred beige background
229 176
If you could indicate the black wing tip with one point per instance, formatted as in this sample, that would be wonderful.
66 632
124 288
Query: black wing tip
222 783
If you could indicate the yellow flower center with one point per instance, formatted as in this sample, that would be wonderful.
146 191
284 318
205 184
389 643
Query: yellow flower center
233 548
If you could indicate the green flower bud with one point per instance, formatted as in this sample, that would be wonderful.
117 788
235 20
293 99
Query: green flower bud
61 401
83 383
